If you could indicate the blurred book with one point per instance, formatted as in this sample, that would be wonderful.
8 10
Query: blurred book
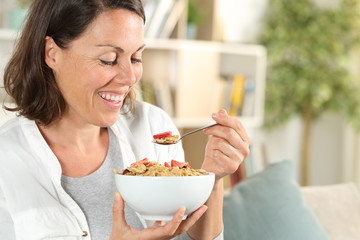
170 21
147 91
233 91
248 107
157 93
163 96
220 94
159 14
237 95
149 8
138 91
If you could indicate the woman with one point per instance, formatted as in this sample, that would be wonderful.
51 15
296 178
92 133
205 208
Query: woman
71 77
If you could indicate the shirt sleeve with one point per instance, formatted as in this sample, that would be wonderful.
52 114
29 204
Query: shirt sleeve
6 224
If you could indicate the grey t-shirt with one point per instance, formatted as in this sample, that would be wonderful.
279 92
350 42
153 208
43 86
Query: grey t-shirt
95 193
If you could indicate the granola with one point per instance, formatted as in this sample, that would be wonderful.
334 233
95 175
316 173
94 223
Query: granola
149 168
165 138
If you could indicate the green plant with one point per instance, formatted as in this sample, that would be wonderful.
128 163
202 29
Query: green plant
309 51
24 3
196 14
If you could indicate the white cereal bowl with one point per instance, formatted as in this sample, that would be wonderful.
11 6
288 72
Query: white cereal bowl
158 198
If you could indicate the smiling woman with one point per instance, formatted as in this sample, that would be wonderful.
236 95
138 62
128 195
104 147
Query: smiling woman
71 78
96 71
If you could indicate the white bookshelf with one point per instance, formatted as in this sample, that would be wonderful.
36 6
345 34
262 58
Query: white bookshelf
193 69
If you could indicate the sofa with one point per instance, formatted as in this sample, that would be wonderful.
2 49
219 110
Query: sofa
270 205
337 208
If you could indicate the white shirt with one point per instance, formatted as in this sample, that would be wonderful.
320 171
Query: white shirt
33 204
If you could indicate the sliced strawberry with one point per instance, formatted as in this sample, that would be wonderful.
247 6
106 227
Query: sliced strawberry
162 135
166 164
178 164
143 161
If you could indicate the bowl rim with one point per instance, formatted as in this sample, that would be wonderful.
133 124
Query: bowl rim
172 177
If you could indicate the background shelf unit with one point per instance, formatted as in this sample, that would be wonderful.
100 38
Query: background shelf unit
192 71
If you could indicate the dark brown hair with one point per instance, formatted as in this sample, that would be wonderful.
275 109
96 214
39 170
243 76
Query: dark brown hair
27 78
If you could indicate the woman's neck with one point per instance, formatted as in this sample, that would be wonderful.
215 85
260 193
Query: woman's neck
80 149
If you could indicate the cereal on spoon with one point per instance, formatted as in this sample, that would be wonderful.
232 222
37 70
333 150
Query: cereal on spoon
165 138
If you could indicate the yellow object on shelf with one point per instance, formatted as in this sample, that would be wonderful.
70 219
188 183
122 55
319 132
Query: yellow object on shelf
237 94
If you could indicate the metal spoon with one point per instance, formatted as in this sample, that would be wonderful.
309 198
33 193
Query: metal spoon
179 139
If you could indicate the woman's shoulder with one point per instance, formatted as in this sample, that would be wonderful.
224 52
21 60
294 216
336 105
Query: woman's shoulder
9 126
11 139
13 132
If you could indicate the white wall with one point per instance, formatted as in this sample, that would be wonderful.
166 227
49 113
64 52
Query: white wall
5 6
327 161
242 19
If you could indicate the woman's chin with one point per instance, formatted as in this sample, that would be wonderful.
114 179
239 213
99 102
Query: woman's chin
107 122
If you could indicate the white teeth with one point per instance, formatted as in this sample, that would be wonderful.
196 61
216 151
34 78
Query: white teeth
111 97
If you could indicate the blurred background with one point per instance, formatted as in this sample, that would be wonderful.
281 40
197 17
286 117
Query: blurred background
289 70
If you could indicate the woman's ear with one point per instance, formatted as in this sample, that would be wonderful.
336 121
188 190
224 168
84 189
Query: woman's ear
50 52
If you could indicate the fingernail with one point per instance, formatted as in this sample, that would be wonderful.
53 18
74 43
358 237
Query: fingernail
117 196
215 115
182 212
206 208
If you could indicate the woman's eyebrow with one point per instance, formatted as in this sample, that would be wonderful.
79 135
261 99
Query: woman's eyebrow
119 48
141 47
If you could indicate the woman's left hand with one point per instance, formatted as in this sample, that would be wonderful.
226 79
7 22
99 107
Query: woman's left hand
227 147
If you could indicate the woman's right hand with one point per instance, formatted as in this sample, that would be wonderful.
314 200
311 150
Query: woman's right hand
159 231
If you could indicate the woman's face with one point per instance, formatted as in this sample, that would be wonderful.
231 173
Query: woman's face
96 71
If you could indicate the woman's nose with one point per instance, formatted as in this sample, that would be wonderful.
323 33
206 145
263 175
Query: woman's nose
126 74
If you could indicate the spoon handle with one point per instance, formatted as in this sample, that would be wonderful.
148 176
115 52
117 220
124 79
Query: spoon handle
197 130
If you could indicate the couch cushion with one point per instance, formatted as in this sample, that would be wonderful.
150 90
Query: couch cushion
337 208
269 206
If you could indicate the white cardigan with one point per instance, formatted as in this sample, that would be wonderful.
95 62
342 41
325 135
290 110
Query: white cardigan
33 204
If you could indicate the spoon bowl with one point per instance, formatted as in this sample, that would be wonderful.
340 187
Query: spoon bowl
180 138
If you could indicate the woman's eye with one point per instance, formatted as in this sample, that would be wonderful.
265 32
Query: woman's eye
108 63
136 60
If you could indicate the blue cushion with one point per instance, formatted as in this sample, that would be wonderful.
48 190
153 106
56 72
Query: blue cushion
269 206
